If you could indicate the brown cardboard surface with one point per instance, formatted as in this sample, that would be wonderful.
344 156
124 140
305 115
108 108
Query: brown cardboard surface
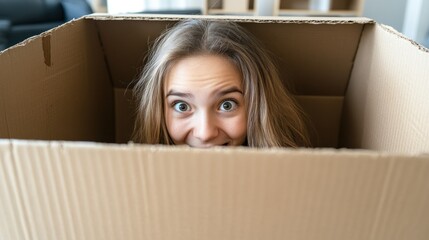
57 87
125 45
387 102
125 111
54 190
323 115
305 54
4 125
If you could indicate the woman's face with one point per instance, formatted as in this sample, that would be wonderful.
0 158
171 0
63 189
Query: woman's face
204 102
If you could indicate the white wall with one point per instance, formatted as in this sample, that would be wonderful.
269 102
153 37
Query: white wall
389 12
423 32
127 6
411 17
416 24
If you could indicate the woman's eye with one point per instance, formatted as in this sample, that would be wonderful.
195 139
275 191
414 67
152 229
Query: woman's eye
228 106
181 107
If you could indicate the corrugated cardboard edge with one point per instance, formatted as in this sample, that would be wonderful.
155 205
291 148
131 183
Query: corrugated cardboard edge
172 17
45 34
250 19
227 150
402 36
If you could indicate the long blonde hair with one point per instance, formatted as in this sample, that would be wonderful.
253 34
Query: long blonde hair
274 119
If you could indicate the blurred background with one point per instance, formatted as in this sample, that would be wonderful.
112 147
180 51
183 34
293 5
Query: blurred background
411 17
20 19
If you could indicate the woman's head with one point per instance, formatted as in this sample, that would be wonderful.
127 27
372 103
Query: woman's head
204 102
220 59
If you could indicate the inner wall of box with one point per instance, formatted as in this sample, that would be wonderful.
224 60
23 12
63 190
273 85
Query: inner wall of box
72 83
71 97
315 60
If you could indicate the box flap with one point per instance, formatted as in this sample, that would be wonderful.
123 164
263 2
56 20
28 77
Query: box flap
54 190
387 102
56 86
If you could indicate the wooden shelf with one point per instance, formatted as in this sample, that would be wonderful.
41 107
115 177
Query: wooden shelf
230 7
298 12
346 8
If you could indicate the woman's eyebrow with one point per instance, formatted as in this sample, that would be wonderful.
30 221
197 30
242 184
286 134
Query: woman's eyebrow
172 92
229 90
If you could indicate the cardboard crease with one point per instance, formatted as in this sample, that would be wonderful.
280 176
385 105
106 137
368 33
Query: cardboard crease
46 46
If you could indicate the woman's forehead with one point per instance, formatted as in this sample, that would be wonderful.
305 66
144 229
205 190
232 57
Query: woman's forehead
202 71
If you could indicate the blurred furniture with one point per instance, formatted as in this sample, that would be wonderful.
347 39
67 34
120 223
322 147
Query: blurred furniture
99 6
286 7
4 31
21 19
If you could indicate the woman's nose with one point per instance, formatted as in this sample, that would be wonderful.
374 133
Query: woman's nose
205 128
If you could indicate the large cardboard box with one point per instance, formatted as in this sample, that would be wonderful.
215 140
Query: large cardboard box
364 86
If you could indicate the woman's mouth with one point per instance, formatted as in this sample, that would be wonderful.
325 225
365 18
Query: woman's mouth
209 146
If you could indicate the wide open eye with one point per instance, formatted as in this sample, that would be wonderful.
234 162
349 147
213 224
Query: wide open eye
181 107
228 105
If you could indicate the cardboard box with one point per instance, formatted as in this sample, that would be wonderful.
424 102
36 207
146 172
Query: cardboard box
364 86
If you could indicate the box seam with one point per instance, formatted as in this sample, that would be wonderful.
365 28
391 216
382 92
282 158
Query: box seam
354 58
104 53
109 74
348 84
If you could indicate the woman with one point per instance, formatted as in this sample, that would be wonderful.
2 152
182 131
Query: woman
210 83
